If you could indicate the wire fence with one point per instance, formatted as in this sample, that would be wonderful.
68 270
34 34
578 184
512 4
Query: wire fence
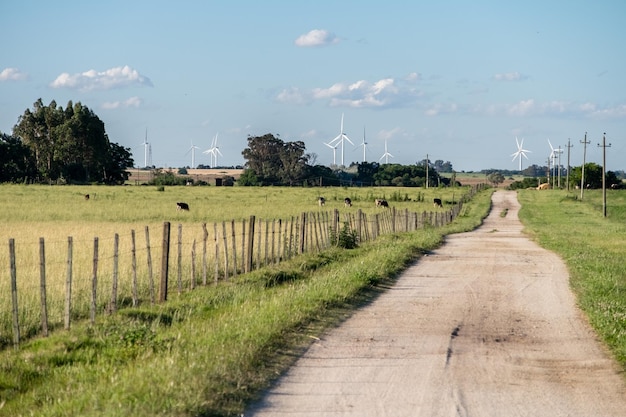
87 279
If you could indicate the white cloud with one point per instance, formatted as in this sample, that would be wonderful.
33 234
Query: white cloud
414 76
12 74
439 108
316 37
130 102
386 92
523 108
389 134
509 76
117 77
617 112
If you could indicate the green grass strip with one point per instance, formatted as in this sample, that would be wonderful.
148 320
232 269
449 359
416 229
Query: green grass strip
593 248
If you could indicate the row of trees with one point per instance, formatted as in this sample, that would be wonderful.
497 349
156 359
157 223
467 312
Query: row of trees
52 144
272 161
593 178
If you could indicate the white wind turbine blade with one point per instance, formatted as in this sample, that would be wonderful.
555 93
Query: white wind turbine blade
334 148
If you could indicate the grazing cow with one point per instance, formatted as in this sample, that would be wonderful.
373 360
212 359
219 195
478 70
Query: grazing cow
437 202
86 196
182 206
321 201
347 202
381 203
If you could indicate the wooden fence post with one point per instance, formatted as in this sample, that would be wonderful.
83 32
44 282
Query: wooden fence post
205 237
290 241
280 241
244 260
225 250
267 243
232 228
149 261
259 245
179 259
165 262
68 283
302 233
193 265
217 253
16 315
94 282
250 246
113 305
133 252
42 287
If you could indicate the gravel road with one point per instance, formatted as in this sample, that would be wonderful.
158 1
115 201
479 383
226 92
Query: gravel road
486 325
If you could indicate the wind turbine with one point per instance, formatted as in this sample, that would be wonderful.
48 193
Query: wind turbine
147 151
214 150
554 154
334 148
521 152
386 155
341 137
192 149
364 145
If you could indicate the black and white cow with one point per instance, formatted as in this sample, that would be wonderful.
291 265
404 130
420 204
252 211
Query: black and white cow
321 201
347 202
182 206
437 202
381 203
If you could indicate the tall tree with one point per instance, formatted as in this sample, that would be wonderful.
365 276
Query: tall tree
273 161
70 143
16 160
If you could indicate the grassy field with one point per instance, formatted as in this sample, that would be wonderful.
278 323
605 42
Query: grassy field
209 351
56 213
594 249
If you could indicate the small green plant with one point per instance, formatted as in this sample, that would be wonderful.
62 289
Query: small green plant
346 238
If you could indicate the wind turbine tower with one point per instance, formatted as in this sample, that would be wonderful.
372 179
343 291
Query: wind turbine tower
147 152
364 145
386 155
334 148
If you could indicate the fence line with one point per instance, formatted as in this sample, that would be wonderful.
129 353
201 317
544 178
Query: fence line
261 242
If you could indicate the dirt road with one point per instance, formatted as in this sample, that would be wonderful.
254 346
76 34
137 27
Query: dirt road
484 326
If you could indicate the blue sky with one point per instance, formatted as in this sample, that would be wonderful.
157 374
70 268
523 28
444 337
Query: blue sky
458 81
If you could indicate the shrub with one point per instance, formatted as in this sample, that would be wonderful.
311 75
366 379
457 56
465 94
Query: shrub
346 238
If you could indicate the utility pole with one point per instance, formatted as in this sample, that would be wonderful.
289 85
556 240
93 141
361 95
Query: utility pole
568 154
558 166
604 146
582 176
